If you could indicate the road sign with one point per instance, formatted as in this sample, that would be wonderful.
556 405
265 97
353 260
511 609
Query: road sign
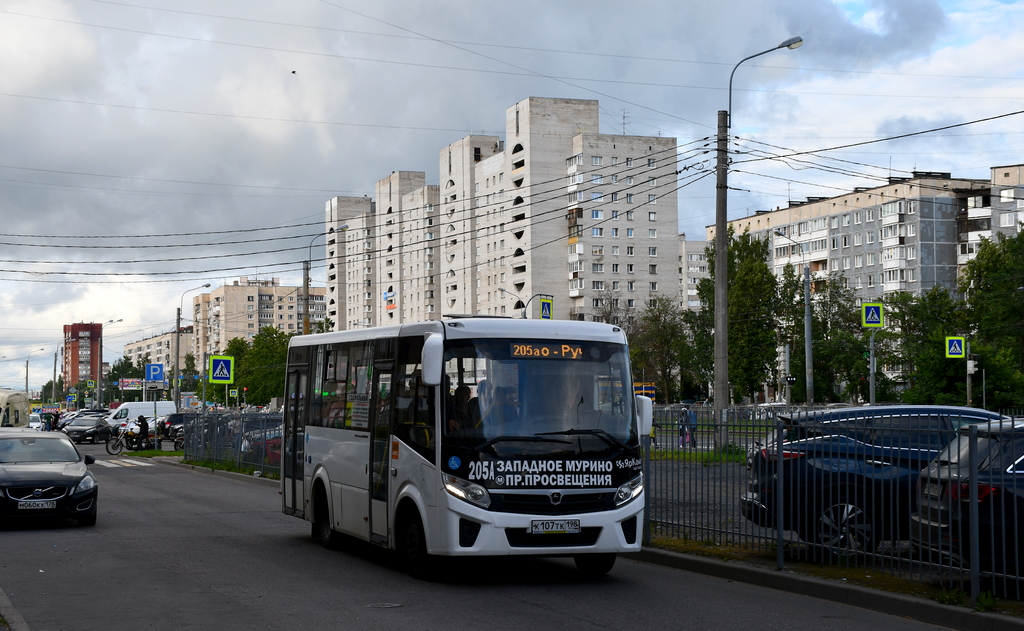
221 369
545 308
72 398
871 315
90 384
154 372
955 348
233 392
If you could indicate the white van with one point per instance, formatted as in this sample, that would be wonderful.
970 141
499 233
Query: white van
134 409
14 408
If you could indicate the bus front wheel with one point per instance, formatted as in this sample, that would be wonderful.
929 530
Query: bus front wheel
594 565
414 548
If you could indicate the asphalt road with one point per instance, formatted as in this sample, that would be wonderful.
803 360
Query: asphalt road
179 549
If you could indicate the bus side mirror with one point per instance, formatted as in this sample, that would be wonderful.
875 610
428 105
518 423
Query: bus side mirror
644 414
432 359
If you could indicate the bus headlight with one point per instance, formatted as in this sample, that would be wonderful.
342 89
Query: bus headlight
629 490
467 491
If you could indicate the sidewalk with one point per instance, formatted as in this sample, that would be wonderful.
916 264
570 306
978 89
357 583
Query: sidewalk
919 609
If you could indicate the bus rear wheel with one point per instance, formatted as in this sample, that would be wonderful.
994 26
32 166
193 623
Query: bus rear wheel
322 531
594 565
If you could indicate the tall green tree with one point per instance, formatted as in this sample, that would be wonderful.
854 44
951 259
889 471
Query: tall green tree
992 283
656 345
265 362
752 313
935 379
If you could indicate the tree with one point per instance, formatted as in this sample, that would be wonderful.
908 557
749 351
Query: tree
840 371
753 330
656 345
264 366
995 311
934 379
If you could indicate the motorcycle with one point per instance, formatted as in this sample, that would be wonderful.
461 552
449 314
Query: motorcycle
179 438
128 438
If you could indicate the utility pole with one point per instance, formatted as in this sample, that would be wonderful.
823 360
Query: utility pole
808 353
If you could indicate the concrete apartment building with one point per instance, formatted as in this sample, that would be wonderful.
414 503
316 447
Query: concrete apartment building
159 349
693 266
910 234
244 307
82 353
555 208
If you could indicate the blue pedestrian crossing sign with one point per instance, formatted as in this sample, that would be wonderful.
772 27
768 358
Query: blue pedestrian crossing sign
221 369
871 315
956 348
545 308
155 372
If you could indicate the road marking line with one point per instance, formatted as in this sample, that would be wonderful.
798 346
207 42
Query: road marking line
139 463
107 463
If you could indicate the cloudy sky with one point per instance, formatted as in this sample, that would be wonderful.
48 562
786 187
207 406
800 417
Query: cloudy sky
148 147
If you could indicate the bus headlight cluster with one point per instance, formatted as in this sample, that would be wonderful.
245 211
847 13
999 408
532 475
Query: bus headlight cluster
467 491
629 490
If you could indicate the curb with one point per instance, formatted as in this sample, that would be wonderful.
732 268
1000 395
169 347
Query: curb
252 479
918 609
14 620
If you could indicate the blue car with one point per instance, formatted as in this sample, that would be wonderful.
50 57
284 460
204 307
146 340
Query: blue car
941 526
848 475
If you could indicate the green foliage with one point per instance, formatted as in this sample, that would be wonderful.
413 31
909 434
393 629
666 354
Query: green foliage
657 342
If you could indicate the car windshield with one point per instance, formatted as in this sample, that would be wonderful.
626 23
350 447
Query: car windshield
31 449
551 393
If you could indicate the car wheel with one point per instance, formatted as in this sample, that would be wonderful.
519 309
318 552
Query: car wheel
594 565
844 528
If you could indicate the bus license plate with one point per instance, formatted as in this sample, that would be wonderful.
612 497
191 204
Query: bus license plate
555 527
39 504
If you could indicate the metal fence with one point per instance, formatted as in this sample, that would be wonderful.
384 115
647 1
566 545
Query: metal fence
246 441
851 487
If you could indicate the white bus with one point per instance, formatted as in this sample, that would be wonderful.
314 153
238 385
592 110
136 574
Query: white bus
14 408
469 436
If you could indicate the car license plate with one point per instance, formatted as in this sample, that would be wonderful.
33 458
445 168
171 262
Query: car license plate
555 527
37 504
932 489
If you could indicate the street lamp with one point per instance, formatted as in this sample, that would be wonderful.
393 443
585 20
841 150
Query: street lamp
26 366
722 240
99 380
305 278
176 388
527 304
808 353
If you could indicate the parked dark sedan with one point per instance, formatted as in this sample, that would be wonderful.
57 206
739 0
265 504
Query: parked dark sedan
88 429
941 527
42 474
849 474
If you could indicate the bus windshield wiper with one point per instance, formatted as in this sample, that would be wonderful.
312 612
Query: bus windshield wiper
600 433
528 439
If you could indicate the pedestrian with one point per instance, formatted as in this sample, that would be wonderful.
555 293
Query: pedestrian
691 426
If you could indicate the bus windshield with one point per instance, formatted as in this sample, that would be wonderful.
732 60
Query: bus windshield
530 397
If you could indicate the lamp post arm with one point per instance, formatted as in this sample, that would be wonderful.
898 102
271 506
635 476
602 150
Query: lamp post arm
764 52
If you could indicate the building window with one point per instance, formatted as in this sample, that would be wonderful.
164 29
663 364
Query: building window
596 178
653 251
629 198
597 268
652 215
597 214
597 284
651 163
596 196
652 233
652 269
597 232
654 285
652 199
596 161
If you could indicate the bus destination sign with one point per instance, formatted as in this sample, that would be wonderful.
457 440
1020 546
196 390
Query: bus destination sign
547 351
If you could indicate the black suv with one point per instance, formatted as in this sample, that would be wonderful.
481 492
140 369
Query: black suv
849 474
941 526
169 423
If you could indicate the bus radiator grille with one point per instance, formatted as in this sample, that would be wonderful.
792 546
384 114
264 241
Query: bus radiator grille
537 504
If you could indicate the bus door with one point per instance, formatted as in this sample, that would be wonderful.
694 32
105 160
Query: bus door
382 409
293 441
